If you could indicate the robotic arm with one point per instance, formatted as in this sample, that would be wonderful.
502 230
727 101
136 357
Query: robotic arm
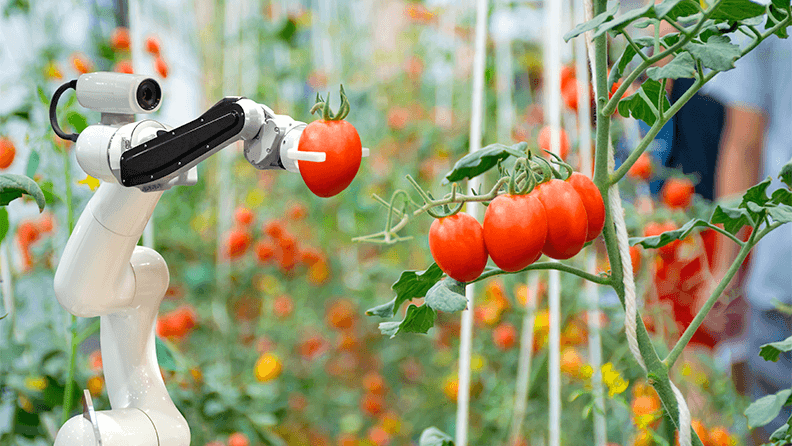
103 272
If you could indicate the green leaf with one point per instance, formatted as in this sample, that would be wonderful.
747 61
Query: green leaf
664 7
410 285
637 107
771 351
765 409
780 433
13 186
49 193
683 8
717 54
737 10
593 23
667 237
447 296
77 121
681 66
781 196
417 320
435 437
777 14
781 213
33 163
3 223
732 219
756 194
482 160
625 19
786 174
165 356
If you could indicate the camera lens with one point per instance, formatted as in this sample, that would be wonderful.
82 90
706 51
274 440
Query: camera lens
149 94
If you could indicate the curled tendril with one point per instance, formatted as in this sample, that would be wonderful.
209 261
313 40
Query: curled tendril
547 170
562 164
324 105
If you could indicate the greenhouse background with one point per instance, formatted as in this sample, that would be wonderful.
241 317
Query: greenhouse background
263 336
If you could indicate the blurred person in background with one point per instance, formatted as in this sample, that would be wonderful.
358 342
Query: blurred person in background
755 144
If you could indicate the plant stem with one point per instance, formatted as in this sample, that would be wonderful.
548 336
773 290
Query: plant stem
705 309
602 280
68 394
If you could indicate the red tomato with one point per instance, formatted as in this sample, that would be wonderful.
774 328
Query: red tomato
515 228
677 192
642 169
123 66
238 439
153 45
120 39
244 216
274 229
635 258
161 67
567 75
7 153
592 201
504 336
567 224
265 251
237 243
544 141
341 142
569 93
457 245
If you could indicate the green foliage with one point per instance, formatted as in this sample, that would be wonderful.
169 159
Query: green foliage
682 66
765 409
718 53
417 320
13 186
480 161
447 296
644 104
771 351
435 437
411 285
667 237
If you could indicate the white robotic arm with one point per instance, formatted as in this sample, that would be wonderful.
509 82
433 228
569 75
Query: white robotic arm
103 272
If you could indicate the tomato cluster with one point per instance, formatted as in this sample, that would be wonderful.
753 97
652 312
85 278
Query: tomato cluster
556 218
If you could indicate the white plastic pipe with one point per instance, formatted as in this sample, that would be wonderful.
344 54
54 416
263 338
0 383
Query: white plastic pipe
552 76
504 79
524 361
477 116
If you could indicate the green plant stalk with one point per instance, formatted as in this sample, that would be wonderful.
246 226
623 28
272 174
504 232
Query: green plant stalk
68 394
656 370
658 125
602 280
705 309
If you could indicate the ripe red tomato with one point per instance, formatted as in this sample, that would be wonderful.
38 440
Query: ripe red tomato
161 67
457 245
244 216
120 40
265 251
274 228
677 192
7 153
515 228
238 439
569 93
504 336
544 141
592 201
123 66
237 243
567 75
567 224
642 169
153 45
341 143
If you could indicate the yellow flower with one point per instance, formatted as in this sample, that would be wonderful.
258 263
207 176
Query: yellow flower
255 198
95 385
268 367
477 362
36 383
616 384
91 182
687 370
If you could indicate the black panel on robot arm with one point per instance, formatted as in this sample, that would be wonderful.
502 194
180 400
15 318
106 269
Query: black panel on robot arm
171 151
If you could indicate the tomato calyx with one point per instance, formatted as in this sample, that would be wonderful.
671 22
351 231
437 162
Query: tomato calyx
324 105
561 164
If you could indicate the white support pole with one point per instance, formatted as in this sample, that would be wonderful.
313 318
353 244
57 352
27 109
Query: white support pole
524 362
504 80
477 115
590 290
9 307
552 94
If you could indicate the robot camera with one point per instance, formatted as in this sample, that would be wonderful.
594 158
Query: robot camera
118 93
